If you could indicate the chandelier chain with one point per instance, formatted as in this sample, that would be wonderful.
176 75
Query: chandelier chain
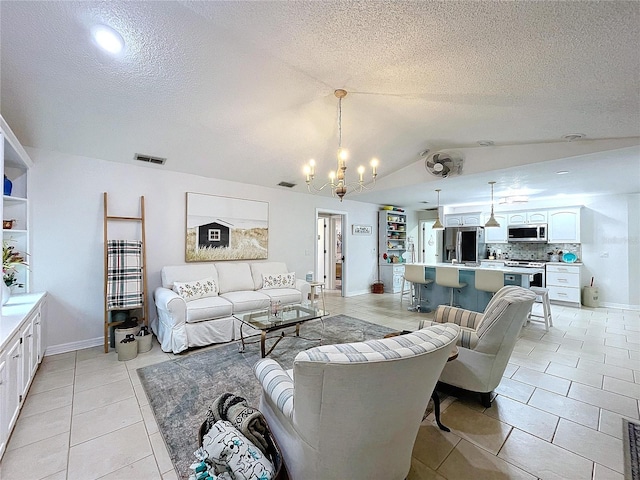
339 124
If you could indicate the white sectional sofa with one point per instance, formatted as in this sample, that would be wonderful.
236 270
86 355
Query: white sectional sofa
196 302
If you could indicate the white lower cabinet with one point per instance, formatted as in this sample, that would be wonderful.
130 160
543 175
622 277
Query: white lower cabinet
28 367
391 276
20 355
4 388
563 282
37 354
12 388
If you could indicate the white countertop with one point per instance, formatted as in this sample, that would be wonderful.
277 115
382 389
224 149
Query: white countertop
14 312
502 268
563 263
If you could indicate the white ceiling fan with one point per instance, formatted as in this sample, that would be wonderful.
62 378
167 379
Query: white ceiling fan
444 164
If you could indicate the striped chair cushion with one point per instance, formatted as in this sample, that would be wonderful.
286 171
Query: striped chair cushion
276 384
468 337
421 341
459 316
500 302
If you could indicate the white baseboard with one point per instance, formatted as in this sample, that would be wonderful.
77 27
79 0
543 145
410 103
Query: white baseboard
356 293
73 346
621 306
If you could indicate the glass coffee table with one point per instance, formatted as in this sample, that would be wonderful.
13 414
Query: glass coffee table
266 322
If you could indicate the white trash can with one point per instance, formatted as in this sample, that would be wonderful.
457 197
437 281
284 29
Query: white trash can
590 297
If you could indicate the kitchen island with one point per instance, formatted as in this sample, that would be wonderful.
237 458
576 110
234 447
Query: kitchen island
468 297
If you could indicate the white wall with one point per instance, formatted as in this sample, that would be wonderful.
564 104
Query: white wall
609 236
67 260
634 249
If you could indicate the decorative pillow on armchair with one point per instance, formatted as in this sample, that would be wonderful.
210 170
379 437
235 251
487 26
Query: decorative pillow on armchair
280 280
197 289
230 451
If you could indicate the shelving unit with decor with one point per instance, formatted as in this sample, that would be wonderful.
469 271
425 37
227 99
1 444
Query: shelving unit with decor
15 206
392 244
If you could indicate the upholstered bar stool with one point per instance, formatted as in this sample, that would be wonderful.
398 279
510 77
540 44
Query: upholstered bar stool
407 289
449 277
489 280
542 296
415 275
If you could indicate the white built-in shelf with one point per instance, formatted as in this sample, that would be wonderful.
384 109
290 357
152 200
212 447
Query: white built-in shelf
10 199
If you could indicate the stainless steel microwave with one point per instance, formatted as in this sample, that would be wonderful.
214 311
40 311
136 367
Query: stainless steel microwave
528 233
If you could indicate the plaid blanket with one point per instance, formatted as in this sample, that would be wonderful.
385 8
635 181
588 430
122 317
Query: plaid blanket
124 274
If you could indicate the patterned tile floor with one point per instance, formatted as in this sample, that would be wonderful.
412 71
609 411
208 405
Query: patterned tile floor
557 412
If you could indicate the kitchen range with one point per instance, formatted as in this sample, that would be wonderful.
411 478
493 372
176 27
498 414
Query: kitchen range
537 279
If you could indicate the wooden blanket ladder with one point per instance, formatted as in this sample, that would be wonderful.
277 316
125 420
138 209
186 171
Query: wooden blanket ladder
108 321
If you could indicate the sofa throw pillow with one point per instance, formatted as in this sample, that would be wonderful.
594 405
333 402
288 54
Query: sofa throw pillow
197 289
280 280
230 451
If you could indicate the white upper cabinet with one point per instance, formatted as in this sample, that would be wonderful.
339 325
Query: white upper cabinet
517 218
496 234
537 217
471 219
453 220
564 225
524 218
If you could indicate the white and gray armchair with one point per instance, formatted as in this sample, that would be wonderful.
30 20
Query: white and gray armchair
352 411
486 340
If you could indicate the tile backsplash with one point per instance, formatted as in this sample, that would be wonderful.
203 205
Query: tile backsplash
532 251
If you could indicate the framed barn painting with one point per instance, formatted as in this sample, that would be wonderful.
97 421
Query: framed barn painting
224 228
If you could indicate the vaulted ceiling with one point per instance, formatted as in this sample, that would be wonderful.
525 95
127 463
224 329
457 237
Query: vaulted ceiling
244 90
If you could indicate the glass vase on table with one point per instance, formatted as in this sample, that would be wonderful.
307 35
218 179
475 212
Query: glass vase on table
275 310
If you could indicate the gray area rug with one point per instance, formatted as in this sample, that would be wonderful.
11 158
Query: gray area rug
180 391
631 439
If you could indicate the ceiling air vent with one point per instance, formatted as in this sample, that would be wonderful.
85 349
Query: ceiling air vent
150 159
286 184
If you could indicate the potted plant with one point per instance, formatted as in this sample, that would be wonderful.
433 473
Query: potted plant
11 259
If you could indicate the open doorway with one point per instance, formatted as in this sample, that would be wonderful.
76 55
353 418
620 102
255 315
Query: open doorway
430 242
330 250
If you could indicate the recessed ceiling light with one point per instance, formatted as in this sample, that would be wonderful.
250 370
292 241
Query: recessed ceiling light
573 136
108 39
485 143
562 172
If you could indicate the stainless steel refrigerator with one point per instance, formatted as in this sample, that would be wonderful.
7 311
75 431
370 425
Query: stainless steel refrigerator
464 244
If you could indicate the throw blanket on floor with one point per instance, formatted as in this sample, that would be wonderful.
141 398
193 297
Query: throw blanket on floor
247 419
124 274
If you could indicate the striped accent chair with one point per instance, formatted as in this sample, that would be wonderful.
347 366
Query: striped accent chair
352 411
487 340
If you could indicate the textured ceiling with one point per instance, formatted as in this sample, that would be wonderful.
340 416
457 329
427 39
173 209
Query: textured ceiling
244 90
